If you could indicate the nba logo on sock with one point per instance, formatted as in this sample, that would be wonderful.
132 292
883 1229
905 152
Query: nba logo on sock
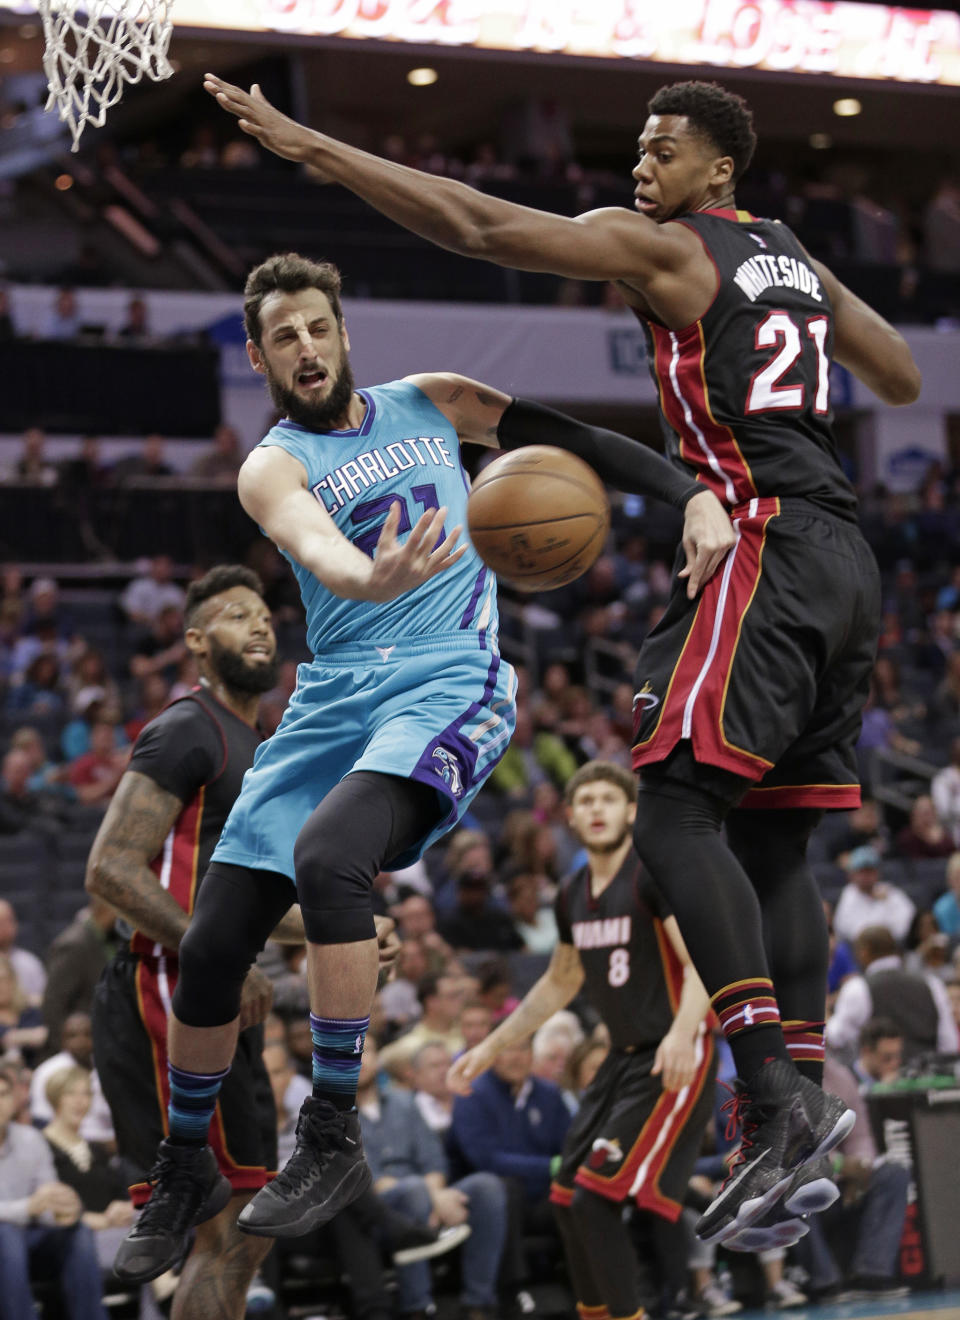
748 1015
358 1044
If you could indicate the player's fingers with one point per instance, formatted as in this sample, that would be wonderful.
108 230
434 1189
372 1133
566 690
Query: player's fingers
420 533
447 544
448 562
434 529
388 533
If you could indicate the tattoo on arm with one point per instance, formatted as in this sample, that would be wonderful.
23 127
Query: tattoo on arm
138 820
455 394
487 400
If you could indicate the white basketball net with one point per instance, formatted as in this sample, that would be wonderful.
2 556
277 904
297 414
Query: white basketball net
91 53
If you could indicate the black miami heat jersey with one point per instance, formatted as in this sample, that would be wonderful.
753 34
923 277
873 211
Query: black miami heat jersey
199 750
745 390
633 977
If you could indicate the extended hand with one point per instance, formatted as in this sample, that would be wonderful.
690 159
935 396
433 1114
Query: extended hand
707 536
279 134
463 1070
399 568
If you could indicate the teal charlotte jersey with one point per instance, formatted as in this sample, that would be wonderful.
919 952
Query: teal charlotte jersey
413 687
405 450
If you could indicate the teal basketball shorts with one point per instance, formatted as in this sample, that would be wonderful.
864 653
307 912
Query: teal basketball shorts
435 710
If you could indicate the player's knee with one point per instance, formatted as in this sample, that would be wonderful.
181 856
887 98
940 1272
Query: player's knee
213 963
335 894
214 949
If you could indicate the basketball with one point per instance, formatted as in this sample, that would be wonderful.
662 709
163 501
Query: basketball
538 516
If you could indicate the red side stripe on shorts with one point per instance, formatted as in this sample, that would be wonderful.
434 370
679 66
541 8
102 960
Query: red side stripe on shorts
694 702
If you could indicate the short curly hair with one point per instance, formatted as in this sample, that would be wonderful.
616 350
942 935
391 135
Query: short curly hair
288 272
214 583
714 113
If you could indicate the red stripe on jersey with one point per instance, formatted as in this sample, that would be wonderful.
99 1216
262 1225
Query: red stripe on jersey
709 447
153 1015
695 698
845 796
674 974
672 966
176 867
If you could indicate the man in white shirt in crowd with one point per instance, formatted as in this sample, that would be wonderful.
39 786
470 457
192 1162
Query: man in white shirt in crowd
866 900
428 1075
919 1006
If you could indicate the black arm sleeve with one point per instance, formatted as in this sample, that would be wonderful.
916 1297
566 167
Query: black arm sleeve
622 463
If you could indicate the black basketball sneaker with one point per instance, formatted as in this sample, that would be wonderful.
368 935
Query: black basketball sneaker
786 1122
326 1172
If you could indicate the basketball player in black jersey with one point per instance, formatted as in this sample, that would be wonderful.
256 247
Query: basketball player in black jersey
641 1121
147 861
749 696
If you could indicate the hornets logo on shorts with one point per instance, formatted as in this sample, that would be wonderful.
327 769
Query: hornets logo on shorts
448 768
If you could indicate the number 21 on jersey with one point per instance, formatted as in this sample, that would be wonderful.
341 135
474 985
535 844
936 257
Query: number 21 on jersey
779 330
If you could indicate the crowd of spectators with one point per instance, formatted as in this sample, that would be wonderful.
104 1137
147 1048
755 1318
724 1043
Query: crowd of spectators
85 469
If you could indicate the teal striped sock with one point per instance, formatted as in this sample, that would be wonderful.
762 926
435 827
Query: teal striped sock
193 1099
337 1054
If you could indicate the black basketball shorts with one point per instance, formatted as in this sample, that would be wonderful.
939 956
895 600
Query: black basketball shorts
631 1139
767 671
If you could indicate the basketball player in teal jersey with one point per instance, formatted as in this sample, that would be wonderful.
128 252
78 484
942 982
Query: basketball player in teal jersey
393 727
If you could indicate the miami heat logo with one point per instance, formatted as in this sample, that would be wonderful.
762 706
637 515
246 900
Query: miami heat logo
604 1152
448 768
645 699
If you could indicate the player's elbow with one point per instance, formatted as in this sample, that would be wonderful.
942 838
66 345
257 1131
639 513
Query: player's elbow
96 879
903 387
